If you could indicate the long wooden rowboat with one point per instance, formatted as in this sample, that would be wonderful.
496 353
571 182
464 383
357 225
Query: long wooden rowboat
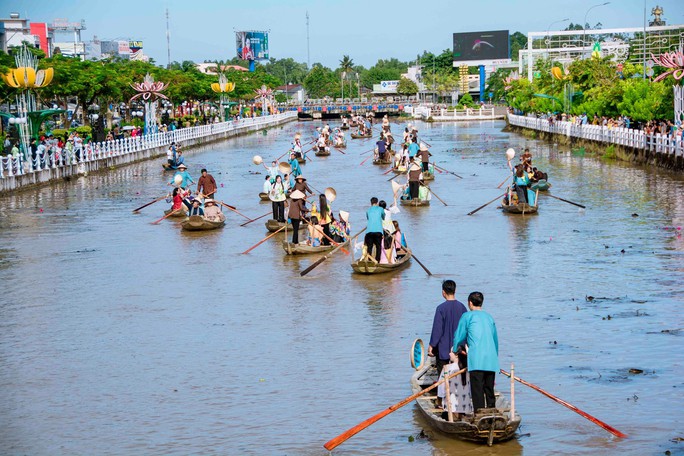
199 223
522 208
428 176
382 162
414 202
304 249
344 127
371 267
273 225
322 152
542 185
341 146
263 196
179 214
168 167
301 160
356 136
486 426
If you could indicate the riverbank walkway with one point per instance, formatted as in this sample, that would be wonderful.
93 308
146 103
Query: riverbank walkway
20 172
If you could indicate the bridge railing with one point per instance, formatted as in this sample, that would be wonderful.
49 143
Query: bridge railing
628 137
56 157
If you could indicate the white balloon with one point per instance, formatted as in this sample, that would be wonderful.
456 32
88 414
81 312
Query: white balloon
510 153
257 160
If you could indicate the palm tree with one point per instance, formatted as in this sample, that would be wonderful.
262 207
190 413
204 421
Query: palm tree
347 66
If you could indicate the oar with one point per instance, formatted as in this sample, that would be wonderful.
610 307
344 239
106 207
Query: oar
391 169
436 196
327 255
156 222
485 205
594 420
334 443
364 153
566 201
503 182
264 239
339 150
421 264
287 152
254 220
365 160
446 170
232 208
148 204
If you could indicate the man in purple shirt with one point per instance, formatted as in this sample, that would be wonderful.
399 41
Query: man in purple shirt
447 316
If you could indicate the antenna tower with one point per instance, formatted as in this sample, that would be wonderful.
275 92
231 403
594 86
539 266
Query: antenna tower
168 40
308 54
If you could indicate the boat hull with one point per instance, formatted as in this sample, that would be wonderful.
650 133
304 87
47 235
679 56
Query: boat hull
522 208
304 249
370 267
414 202
490 427
263 196
199 223
541 185
273 226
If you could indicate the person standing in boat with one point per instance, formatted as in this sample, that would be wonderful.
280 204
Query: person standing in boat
206 184
413 147
424 155
294 165
276 194
272 170
301 185
186 178
296 213
414 178
381 147
447 316
478 330
373 239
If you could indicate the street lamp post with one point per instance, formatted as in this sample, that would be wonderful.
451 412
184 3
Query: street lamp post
548 31
584 26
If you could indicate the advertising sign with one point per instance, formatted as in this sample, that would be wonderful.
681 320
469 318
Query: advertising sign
124 48
252 45
481 48
386 87
135 46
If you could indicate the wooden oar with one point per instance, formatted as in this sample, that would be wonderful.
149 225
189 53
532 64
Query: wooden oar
334 443
446 170
232 208
364 153
287 152
391 169
156 222
485 205
594 420
326 256
254 220
436 196
265 239
566 201
148 204
365 160
339 150
503 182
421 264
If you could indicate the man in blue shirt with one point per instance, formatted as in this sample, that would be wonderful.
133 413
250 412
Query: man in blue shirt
382 147
444 325
375 215
478 330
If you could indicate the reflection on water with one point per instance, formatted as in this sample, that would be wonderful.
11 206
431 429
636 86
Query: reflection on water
122 337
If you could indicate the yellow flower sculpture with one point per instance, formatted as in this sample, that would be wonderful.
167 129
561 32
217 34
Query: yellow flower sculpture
28 78
223 87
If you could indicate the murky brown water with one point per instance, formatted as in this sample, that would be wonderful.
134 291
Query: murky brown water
122 337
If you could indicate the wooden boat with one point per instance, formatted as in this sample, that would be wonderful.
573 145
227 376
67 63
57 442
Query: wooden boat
263 196
273 225
356 136
168 167
414 202
199 223
428 176
341 146
344 127
301 160
486 426
322 152
304 249
387 161
542 185
522 208
180 213
371 267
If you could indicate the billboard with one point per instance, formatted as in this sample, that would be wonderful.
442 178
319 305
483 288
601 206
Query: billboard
386 87
252 45
481 48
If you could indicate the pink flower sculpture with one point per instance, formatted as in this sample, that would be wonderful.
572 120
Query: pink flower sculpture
149 90
264 92
672 60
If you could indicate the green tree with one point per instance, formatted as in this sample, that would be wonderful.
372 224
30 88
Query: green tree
643 100
383 70
407 87
287 70
518 41
321 82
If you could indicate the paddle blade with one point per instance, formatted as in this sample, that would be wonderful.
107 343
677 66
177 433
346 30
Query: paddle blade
337 441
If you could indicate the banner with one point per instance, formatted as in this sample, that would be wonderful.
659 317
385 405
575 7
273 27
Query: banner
252 45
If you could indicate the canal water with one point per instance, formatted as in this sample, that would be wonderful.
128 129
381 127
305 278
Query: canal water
120 337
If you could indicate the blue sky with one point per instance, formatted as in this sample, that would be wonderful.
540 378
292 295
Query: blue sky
364 29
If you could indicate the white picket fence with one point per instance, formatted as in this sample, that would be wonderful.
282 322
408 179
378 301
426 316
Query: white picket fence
55 158
655 142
